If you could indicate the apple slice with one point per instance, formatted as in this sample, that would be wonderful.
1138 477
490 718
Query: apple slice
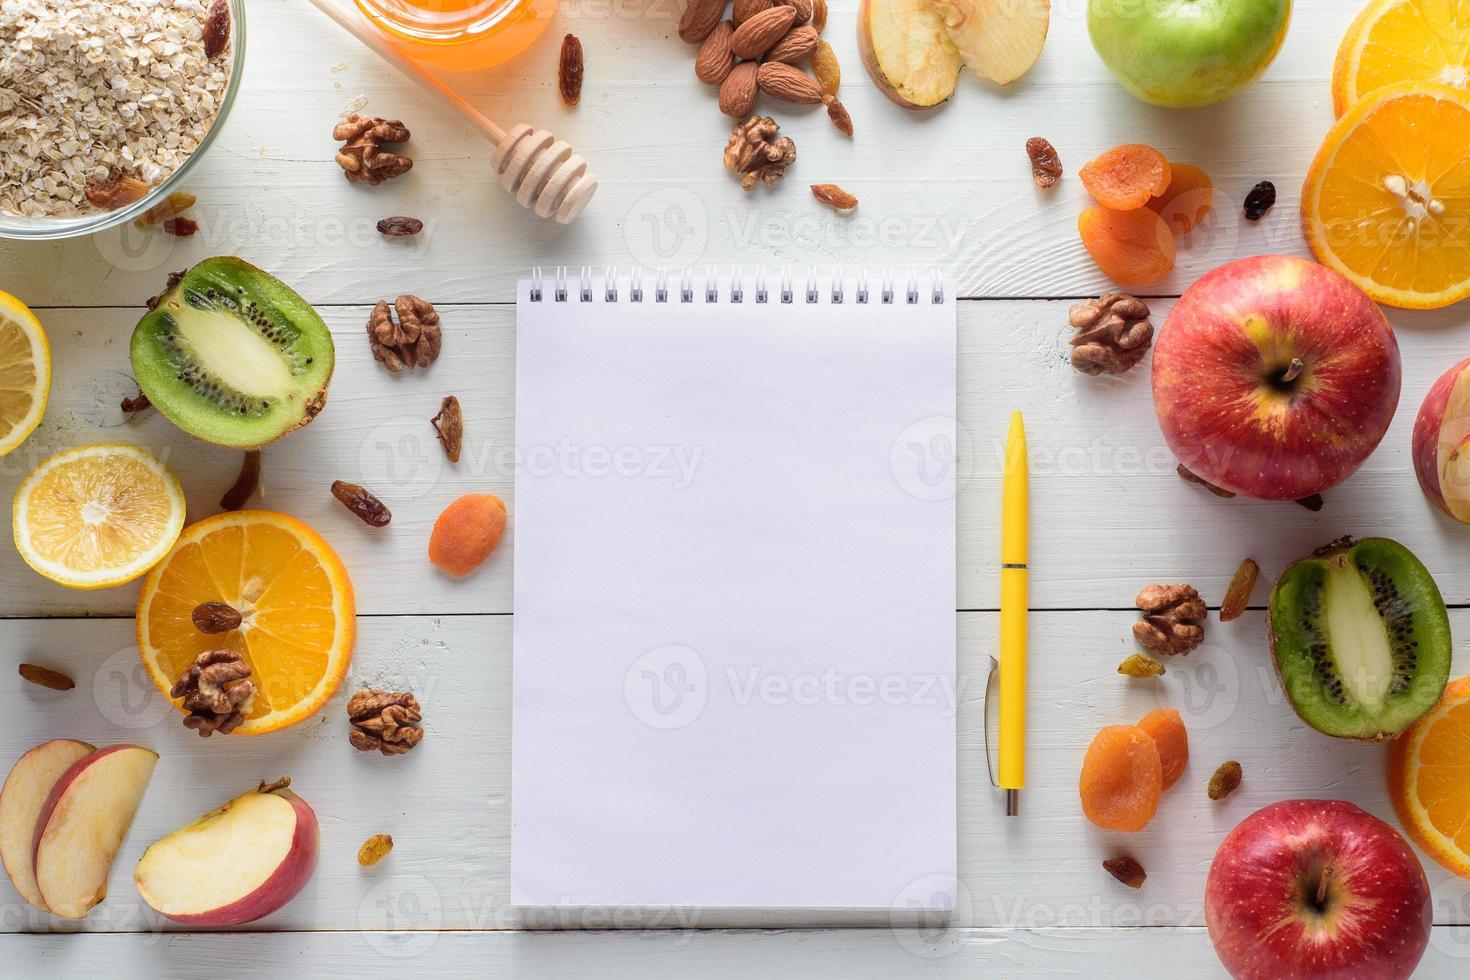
82 825
21 800
237 863
907 51
997 39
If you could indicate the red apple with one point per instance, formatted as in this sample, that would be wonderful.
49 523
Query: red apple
1442 443
1317 889
1275 377
22 799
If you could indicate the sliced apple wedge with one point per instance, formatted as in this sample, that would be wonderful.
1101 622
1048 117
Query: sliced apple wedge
997 39
21 800
907 51
82 824
237 863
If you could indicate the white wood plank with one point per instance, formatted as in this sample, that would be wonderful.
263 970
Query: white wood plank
949 190
447 803
1110 513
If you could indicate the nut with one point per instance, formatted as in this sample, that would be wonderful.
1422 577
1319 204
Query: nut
738 91
835 198
803 9
746 9
788 83
756 153
715 58
414 341
826 69
215 690
384 720
796 45
756 36
569 70
1113 334
699 18
46 677
362 156
1172 614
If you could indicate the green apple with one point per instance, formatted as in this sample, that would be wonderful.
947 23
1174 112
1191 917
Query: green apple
1187 53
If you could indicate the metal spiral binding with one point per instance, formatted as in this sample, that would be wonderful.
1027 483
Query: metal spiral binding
709 291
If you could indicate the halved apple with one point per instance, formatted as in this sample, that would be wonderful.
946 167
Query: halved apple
237 863
82 824
914 49
21 800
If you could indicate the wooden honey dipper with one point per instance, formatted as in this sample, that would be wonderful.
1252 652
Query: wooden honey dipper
543 172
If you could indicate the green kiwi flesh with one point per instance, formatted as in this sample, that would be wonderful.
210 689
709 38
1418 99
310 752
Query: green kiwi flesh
1361 638
232 355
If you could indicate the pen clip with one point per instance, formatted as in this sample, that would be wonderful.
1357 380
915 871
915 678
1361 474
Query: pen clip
985 721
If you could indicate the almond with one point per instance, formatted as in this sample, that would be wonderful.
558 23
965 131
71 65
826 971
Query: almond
46 677
835 197
700 17
746 9
755 37
796 45
803 9
826 68
715 60
738 90
788 83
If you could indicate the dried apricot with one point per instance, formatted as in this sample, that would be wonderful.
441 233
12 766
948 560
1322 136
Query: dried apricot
1125 177
1188 200
1168 732
1122 778
1131 247
466 533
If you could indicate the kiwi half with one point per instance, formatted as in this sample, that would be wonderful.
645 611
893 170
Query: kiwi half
1361 638
232 355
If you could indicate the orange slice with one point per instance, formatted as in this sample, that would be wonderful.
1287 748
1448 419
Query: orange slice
295 598
1387 201
25 372
1429 779
97 516
1395 41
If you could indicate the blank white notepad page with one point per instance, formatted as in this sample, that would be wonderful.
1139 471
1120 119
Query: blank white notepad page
734 647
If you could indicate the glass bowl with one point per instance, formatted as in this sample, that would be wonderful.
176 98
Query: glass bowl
23 228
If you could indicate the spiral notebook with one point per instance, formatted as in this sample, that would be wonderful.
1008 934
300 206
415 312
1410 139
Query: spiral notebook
734 635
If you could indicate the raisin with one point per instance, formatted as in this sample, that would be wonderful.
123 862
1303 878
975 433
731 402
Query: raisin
399 226
1238 596
215 617
1189 477
449 425
569 70
363 503
1260 200
115 191
216 29
1046 165
1140 666
1225 781
1313 503
138 403
182 227
245 484
374 849
46 677
1127 870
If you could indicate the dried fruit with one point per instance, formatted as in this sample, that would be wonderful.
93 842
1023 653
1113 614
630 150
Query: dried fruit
215 617
1188 201
1127 870
739 90
1122 779
115 191
181 227
413 341
46 677
837 112
1260 200
715 59
1137 665
467 532
1125 177
137 403
796 45
362 156
760 33
1046 165
245 484
1314 503
1172 739
175 204
1131 247
743 10
835 198
449 427
569 70
1171 622
789 83
217 29
755 152
699 18
384 720
1113 333
825 68
1189 477
819 15
374 849
1225 781
363 503
215 690
1238 596
399 226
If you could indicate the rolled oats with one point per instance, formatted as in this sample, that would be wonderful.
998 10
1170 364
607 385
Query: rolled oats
90 88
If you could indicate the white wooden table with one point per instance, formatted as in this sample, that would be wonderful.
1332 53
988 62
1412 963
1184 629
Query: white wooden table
951 191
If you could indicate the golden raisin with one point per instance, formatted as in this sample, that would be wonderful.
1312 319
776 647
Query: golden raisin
374 849
1238 596
1140 666
1225 781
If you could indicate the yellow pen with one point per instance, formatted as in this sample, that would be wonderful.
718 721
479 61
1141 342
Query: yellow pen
1013 606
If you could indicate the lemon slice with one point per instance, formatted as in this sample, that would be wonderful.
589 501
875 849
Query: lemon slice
97 516
25 372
